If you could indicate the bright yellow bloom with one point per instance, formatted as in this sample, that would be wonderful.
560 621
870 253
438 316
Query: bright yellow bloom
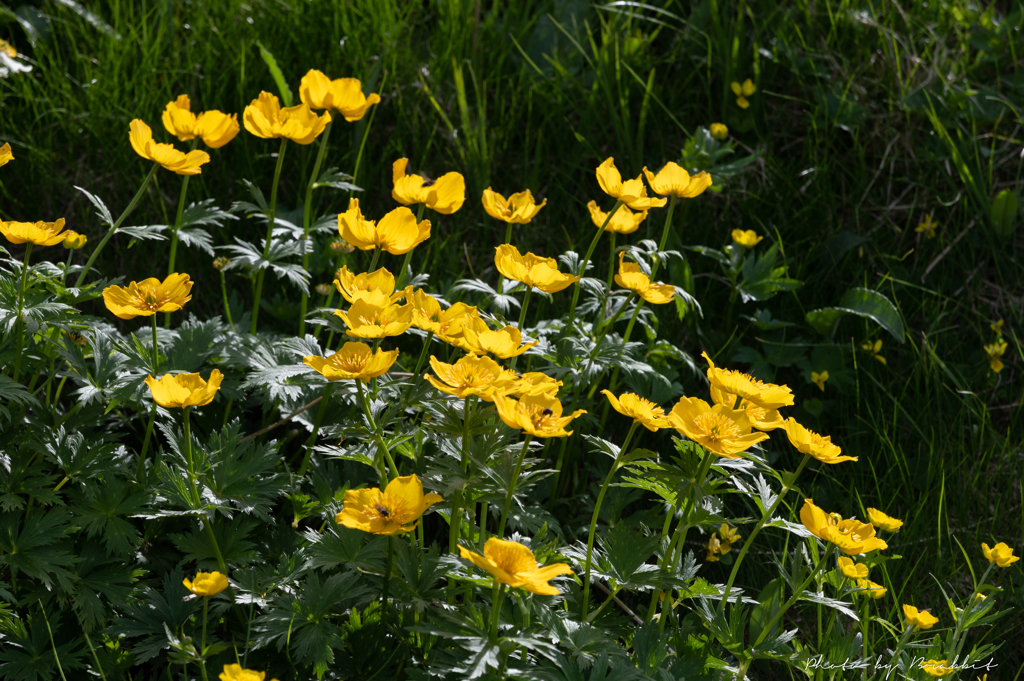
5 154
633 193
719 131
631 277
354 286
673 180
765 395
743 91
10 51
141 137
1000 554
876 591
851 569
536 383
927 227
936 668
820 447
640 409
397 232
215 128
345 95
921 619
819 379
503 343
37 233
760 418
428 315
234 672
531 269
874 349
624 221
514 564
354 361
850 536
265 118
388 512
714 546
472 375
517 209
884 522
746 238
995 351
371 319
206 583
445 195
719 429
148 296
729 537
73 240
538 415
184 390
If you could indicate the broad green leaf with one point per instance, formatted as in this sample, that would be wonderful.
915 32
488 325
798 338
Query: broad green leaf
1004 213
275 71
864 303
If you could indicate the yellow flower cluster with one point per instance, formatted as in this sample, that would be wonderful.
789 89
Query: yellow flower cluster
720 543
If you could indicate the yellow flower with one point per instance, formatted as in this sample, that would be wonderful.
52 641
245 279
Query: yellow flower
265 118
215 128
631 277
746 238
936 668
148 296
536 383
206 583
141 137
376 319
995 326
397 233
234 672
353 361
729 536
743 91
719 131
428 315
760 418
9 50
37 233
345 95
353 286
531 269
444 195
633 193
73 240
388 512
850 536
624 221
995 351
714 545
851 569
220 263
472 375
518 209
341 246
927 227
5 154
819 379
884 522
503 343
640 409
765 395
922 619
874 349
719 429
820 447
538 415
1000 554
514 564
876 591
673 180
184 390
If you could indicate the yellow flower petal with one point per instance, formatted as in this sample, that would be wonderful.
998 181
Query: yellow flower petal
514 564
184 390
355 361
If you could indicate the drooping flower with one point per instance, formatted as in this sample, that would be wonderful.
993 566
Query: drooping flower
472 375
504 343
927 227
624 221
673 180
518 209
389 512
5 154
265 118
633 193
184 390
851 569
760 418
631 277
514 564
445 195
640 409
73 240
819 379
921 619
214 127
531 269
876 591
141 137
719 131
874 349
1000 554
936 668
37 233
354 361
742 92
719 429
852 537
234 672
345 95
746 238
354 286
397 232
820 447
536 383
538 415
206 583
149 296
995 351
884 522
428 315
765 395
376 319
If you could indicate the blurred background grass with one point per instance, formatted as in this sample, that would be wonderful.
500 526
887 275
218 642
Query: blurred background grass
868 117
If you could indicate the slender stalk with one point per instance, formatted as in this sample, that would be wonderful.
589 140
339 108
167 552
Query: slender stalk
270 233
499 591
67 266
202 644
611 278
321 410
586 261
52 644
512 486
224 294
175 228
306 217
373 260
145 441
456 527
593 518
156 348
423 354
387 578
522 320
21 309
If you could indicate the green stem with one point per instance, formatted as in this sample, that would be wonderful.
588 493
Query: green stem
387 578
52 644
593 519
21 309
67 266
270 233
202 649
113 227
321 410
512 486
175 229
145 442
156 347
373 260
306 217
796 595
423 354
499 591
664 236
224 294
522 320
611 278
586 261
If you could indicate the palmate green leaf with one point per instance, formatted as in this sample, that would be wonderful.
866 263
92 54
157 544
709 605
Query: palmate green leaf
13 393
24 477
192 344
34 546
242 474
234 539
761 279
27 653
102 509
338 545
336 179
603 668
99 583
147 616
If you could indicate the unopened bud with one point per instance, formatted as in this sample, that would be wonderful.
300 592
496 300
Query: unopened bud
323 289
73 240
341 246
220 263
